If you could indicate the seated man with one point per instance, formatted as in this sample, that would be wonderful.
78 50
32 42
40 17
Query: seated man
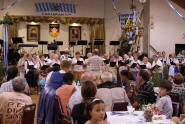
76 98
11 103
109 91
145 94
7 86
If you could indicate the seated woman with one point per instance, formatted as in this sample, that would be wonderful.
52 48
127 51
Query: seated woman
127 81
46 111
179 88
88 92
66 91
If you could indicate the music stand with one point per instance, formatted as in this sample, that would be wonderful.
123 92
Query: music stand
59 43
98 42
17 40
72 43
114 43
1 42
42 43
82 43
52 46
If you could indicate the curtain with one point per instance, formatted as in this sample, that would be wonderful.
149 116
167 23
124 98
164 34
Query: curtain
12 32
97 31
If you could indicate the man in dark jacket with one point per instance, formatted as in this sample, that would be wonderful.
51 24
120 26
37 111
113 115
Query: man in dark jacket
145 94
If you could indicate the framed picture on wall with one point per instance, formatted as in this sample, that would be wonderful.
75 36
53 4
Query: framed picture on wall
33 32
74 33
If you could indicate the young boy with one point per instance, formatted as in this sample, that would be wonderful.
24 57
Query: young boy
165 103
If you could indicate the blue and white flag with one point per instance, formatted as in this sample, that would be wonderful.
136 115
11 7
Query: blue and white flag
5 38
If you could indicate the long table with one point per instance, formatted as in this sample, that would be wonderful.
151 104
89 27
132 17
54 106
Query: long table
123 117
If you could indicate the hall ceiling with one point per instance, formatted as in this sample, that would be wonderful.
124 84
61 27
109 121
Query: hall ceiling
181 3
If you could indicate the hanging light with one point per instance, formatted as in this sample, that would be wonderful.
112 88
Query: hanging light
142 1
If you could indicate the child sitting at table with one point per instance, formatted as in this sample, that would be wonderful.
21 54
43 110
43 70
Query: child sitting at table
96 112
164 102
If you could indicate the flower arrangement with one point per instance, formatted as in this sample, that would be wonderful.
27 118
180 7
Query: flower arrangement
149 111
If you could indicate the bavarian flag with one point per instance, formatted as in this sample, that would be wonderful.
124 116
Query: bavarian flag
54 29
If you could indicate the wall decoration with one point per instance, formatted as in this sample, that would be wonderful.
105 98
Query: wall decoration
54 29
33 32
74 33
55 8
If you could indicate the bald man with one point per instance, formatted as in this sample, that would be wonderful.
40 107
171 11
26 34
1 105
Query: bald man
76 98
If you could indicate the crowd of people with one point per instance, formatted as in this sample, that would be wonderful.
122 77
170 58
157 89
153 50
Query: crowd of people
90 85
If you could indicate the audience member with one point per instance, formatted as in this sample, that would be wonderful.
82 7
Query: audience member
66 90
88 92
145 94
76 98
109 91
46 111
96 112
165 103
12 103
7 86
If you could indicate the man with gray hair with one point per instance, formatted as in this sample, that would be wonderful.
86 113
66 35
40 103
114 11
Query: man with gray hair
76 98
109 91
11 103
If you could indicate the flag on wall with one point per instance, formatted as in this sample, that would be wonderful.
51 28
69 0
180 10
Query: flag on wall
54 29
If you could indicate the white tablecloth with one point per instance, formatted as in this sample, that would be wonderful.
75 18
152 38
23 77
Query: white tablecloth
125 118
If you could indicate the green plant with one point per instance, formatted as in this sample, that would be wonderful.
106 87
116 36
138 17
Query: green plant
125 47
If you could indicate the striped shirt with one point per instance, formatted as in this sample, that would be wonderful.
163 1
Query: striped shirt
146 94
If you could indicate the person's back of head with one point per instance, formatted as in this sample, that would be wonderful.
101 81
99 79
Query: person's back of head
106 76
127 74
88 76
12 73
68 78
19 84
178 78
96 52
88 90
56 67
165 84
144 75
65 64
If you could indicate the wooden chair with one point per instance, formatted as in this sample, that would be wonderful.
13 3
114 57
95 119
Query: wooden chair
61 117
175 97
119 105
28 114
175 106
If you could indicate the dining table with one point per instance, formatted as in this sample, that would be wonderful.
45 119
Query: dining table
137 117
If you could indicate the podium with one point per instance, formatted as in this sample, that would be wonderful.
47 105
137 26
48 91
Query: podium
82 43
42 43
114 43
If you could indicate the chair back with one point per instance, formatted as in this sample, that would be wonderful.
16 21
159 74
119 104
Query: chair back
119 105
175 106
62 117
58 107
28 114
175 97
